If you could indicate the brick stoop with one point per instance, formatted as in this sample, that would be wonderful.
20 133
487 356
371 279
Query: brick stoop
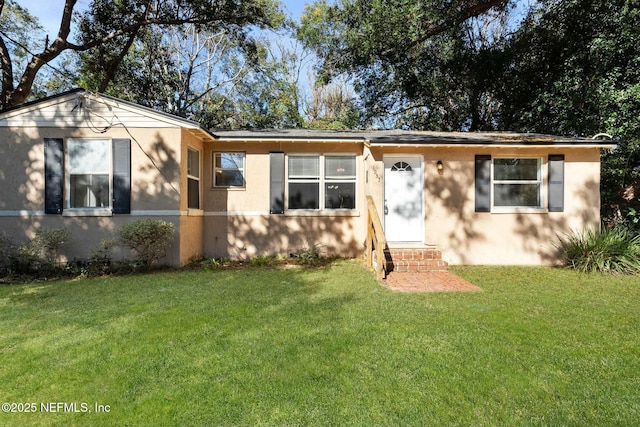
414 260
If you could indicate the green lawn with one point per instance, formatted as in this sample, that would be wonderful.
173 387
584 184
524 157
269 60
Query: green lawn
327 346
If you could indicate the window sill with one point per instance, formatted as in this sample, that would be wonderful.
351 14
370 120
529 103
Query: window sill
195 212
87 212
234 188
323 212
516 210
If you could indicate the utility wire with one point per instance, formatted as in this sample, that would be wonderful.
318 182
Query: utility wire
96 97
88 120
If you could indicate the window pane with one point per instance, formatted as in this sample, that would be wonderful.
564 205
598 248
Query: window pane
304 166
515 169
89 191
229 178
304 195
89 156
525 195
229 170
340 195
340 167
230 160
193 196
193 163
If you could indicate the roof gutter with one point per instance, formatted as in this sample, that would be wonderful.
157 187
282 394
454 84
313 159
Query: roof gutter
291 140
519 145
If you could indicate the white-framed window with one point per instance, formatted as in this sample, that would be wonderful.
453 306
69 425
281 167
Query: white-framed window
517 182
339 182
89 174
317 182
228 169
193 178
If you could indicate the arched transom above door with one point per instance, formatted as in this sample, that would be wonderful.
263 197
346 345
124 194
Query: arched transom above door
401 167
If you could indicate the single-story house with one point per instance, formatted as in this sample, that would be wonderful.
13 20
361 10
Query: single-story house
90 162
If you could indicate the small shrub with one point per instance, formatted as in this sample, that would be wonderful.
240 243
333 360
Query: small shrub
6 252
48 242
100 261
608 250
26 257
209 264
148 238
262 261
39 253
309 254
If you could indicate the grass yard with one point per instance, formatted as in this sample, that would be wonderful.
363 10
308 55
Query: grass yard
327 346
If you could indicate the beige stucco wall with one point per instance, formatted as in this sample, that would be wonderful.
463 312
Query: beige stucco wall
191 221
237 220
467 237
155 186
244 236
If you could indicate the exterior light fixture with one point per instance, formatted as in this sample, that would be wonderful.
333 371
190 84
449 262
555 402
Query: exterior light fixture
440 167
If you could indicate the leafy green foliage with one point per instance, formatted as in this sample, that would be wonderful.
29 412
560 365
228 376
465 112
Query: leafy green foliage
420 65
332 106
178 69
573 70
37 254
49 241
608 250
210 264
101 261
264 260
6 250
148 238
267 94
309 255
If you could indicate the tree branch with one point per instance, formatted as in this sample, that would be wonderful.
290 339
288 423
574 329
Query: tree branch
469 12
7 73
21 93
113 66
6 67
10 97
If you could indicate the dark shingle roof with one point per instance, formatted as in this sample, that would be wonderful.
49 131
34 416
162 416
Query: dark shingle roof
404 137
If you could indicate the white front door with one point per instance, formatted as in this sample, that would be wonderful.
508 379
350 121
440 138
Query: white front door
403 194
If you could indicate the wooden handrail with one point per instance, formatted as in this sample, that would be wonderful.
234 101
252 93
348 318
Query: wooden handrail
375 240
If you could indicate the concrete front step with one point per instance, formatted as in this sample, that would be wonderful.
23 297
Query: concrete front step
419 260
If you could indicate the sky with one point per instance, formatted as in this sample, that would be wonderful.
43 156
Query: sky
49 12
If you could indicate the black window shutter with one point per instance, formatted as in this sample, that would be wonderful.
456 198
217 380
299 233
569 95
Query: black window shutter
121 176
53 175
276 182
556 182
483 183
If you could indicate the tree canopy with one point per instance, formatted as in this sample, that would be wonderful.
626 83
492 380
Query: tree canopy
111 27
567 67
414 62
